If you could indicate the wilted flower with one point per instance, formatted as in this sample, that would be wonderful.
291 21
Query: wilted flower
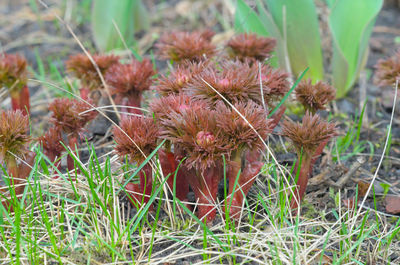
136 137
71 115
181 46
388 71
236 81
83 68
179 78
314 97
14 139
250 46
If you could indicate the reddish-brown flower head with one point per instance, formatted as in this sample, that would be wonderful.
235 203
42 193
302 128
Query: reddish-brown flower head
236 81
130 79
179 78
83 68
163 106
14 139
250 46
137 138
275 83
51 142
13 74
195 131
308 134
180 46
238 131
388 71
314 97
71 115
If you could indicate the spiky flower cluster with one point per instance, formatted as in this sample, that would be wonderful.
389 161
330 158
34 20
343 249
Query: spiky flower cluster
314 97
14 139
250 46
235 81
13 74
130 79
85 70
182 46
306 136
136 137
71 115
179 78
388 70
275 84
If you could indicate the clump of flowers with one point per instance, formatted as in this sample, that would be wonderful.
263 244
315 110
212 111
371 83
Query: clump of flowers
307 138
86 71
137 138
13 76
70 117
388 71
186 46
14 141
128 81
314 97
250 46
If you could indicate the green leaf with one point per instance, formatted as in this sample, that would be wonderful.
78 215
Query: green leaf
298 24
246 20
128 15
351 24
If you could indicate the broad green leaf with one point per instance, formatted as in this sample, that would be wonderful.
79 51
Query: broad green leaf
246 20
298 24
351 24
128 15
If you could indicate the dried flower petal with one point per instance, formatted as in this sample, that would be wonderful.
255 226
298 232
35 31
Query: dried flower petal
250 46
83 68
237 131
388 71
14 139
137 137
13 73
180 46
314 97
129 79
308 134
71 115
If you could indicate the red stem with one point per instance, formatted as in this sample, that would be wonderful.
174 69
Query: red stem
244 183
134 100
21 100
169 165
205 187
302 181
141 192
73 144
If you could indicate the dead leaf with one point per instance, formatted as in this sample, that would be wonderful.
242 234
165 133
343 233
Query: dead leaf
392 204
362 188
